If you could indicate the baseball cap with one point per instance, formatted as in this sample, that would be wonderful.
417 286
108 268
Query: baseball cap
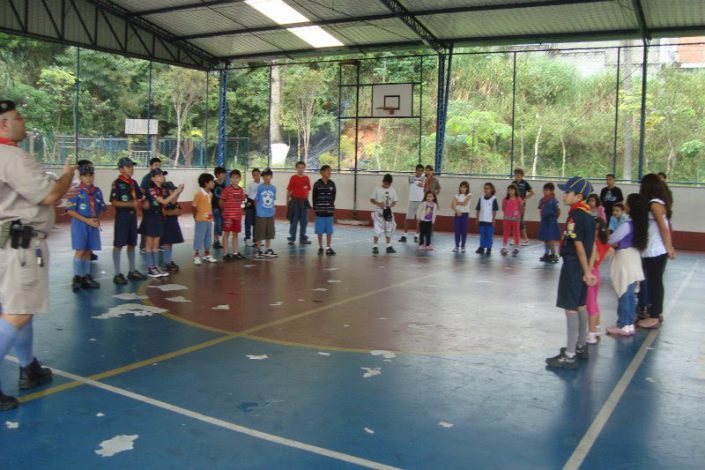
86 169
125 161
158 171
7 105
578 185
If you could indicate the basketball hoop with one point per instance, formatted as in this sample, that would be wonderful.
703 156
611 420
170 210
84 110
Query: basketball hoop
387 110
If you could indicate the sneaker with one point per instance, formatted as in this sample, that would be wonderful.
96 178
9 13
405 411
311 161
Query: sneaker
8 403
626 330
217 245
162 272
553 258
34 375
330 252
270 253
580 353
76 283
94 257
260 254
456 250
375 250
422 248
480 251
416 238
598 330
210 259
136 276
488 252
173 267
291 243
154 272
248 242
642 312
305 242
504 252
402 239
321 251
525 243
545 258
562 361
120 280
429 247
462 249
592 338
238 256
229 257
197 260
515 252
87 282
390 250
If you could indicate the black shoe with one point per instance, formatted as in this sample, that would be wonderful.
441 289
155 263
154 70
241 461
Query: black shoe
320 252
305 242
562 361
488 252
642 312
545 258
94 257
229 257
173 267
260 254
217 246
553 258
402 239
416 239
580 353
34 375
154 272
120 280
76 283
291 243
238 256
87 282
390 250
330 252
136 276
375 250
8 403
480 251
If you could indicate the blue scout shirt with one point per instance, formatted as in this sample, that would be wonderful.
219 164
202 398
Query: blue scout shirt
88 202
125 190
580 226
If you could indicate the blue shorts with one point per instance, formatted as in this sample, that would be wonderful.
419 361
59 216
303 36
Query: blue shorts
572 290
125 228
84 237
152 225
324 225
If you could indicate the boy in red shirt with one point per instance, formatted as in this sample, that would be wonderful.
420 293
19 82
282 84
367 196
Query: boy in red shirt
297 197
231 201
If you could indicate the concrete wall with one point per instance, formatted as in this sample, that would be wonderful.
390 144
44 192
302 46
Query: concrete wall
688 222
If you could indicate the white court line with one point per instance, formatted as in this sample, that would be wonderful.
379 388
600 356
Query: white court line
593 432
228 425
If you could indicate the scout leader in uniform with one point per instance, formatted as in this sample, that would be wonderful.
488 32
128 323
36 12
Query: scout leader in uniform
27 199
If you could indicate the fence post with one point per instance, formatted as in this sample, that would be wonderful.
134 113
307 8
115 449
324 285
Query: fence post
642 123
222 110
616 113
514 109
76 110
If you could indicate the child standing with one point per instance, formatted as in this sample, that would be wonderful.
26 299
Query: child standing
85 209
250 215
152 226
203 215
297 199
461 207
215 202
511 208
384 198
525 192
618 217
549 232
630 239
576 250
600 251
125 197
172 229
486 211
264 226
231 202
596 208
426 215
324 205
417 182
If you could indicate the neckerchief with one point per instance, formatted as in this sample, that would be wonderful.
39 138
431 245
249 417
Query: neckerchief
132 184
4 141
570 224
91 199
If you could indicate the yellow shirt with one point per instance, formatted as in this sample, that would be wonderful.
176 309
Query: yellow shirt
202 206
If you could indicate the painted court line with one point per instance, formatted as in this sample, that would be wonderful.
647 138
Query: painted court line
593 432
228 425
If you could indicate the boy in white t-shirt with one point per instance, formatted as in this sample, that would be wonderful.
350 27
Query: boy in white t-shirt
416 195
384 198
250 211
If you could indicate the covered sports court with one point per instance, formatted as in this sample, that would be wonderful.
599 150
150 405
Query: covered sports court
412 360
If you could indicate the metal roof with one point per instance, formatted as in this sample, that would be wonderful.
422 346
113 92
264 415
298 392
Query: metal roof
208 33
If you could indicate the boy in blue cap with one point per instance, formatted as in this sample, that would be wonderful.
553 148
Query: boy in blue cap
126 197
576 249
85 209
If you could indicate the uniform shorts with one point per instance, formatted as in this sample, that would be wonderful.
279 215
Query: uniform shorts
172 231
412 209
152 225
264 228
324 225
232 225
24 286
84 237
572 290
125 229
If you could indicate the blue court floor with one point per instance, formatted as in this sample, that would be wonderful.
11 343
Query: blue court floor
413 360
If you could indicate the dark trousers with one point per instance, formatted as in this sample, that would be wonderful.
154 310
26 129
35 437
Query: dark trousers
651 290
425 232
298 217
249 222
460 227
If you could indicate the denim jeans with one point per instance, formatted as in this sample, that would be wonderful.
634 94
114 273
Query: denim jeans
250 223
202 237
218 222
626 308
299 218
460 226
486 234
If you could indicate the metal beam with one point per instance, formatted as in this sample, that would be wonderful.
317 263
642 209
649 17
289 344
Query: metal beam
641 21
187 6
413 24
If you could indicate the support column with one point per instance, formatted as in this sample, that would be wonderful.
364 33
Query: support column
76 108
222 111
642 122
445 69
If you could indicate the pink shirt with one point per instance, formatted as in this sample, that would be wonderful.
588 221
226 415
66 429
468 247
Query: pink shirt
512 208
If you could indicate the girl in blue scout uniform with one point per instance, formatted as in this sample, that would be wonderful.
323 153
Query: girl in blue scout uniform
549 232
85 209
152 226
126 197
172 229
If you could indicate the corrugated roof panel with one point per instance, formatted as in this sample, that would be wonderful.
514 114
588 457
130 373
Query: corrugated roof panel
391 30
245 44
244 14
415 5
334 9
674 13
143 5
198 21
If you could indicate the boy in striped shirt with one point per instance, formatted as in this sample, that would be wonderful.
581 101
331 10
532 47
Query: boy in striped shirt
231 201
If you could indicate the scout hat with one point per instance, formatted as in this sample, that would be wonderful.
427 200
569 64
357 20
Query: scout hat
578 185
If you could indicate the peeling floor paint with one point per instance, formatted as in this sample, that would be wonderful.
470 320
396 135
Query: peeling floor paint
257 357
321 353
138 310
320 289
130 296
117 444
169 287
369 431
12 424
221 307
178 299
445 424
276 304
371 371
384 354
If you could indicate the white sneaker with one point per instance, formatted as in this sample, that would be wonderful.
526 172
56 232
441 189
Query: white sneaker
196 260
210 259
598 331
592 338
